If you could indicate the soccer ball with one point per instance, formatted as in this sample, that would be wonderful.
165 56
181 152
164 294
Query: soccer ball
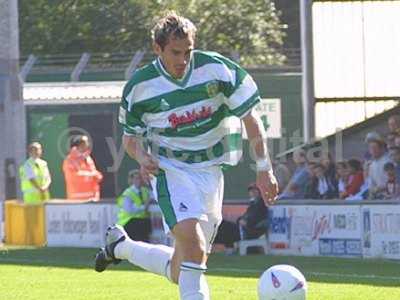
282 282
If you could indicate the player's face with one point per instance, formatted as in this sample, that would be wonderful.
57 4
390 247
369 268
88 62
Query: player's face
176 55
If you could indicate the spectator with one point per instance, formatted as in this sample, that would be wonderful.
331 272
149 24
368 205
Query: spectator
364 189
397 141
355 180
329 166
82 179
133 207
296 186
394 124
390 139
311 189
282 174
377 175
253 223
342 173
35 176
394 153
326 188
228 234
392 187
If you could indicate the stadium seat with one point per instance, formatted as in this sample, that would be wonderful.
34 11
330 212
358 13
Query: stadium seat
261 242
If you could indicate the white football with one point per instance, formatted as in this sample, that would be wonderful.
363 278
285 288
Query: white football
282 282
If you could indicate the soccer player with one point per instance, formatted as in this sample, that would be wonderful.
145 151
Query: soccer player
187 104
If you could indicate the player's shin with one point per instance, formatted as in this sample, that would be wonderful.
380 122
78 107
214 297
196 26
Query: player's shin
152 258
192 282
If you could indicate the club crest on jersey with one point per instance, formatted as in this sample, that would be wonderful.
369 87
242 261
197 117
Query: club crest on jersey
189 117
212 89
164 105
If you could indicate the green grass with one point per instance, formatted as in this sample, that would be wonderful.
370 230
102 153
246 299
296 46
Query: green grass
66 273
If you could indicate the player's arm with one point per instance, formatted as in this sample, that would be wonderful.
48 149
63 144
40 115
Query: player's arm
134 147
266 181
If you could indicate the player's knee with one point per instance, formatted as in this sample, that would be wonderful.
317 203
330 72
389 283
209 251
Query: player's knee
190 238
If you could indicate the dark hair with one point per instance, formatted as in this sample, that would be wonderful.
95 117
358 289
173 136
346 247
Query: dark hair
172 25
78 140
354 164
342 164
388 166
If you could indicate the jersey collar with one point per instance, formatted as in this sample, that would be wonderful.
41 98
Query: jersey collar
180 82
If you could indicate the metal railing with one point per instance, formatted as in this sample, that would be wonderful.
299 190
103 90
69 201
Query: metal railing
123 63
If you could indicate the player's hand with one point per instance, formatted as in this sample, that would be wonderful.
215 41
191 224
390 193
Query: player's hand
268 186
148 165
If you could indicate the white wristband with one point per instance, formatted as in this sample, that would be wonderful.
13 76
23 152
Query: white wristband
263 165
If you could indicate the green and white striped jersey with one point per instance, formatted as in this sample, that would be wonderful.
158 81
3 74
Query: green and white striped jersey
194 121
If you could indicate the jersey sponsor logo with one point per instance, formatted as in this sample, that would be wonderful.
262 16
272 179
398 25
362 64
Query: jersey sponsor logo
189 117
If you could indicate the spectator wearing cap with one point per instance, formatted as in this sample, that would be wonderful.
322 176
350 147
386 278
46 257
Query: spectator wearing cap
392 189
379 157
355 180
253 223
297 184
82 179
394 154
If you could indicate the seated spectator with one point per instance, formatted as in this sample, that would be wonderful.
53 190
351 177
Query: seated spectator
355 179
364 192
311 189
296 186
326 188
394 124
282 174
133 208
390 139
377 175
253 223
394 154
392 189
329 166
228 234
342 173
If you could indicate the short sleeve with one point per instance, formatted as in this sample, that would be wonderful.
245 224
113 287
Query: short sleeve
129 115
241 91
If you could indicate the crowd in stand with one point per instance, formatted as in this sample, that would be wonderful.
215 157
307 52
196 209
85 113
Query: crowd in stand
373 175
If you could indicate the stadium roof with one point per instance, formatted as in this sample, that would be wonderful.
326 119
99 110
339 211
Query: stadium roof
72 92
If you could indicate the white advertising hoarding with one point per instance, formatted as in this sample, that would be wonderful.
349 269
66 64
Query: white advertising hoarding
78 225
381 231
315 230
270 113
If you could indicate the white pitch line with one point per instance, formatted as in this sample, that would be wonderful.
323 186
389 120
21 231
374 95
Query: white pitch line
235 270
357 276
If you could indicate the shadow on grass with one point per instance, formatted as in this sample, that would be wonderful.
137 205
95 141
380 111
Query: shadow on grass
316 269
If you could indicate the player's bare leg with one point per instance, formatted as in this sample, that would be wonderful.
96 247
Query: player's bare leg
189 260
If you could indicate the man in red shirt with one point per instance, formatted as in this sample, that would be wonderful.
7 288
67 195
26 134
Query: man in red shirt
82 179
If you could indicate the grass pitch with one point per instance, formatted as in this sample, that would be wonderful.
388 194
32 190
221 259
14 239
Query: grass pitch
67 274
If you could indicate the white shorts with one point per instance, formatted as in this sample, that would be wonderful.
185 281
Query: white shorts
184 193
